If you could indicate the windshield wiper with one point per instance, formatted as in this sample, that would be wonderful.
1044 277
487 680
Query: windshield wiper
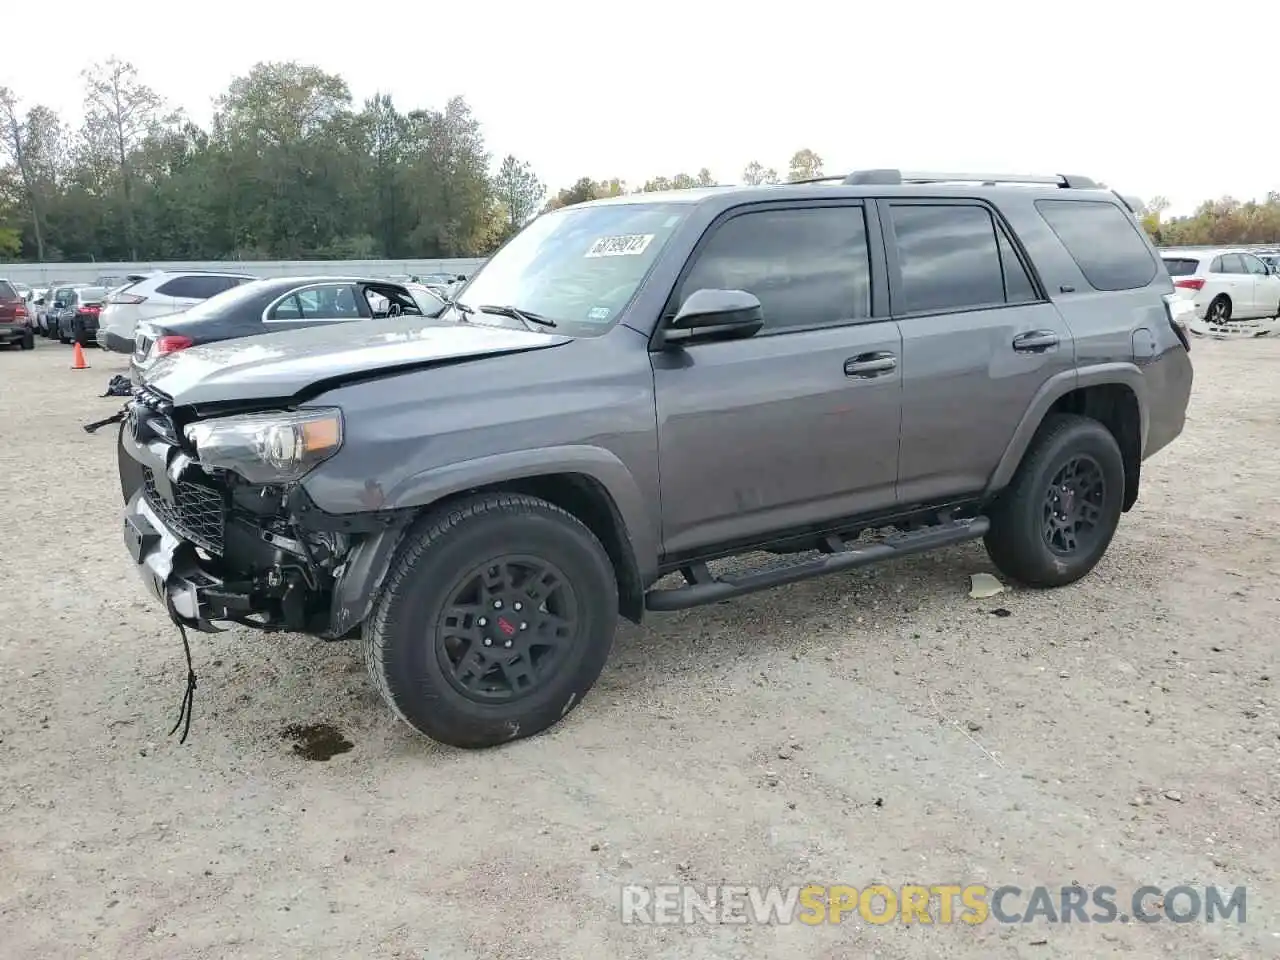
524 316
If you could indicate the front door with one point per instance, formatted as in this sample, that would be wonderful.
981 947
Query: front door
978 341
799 423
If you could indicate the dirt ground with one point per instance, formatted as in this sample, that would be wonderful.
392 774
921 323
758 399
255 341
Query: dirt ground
875 726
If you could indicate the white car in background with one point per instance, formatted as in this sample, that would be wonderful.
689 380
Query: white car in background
1231 292
160 294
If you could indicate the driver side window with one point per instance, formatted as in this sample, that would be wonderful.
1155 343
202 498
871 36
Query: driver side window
1254 265
808 266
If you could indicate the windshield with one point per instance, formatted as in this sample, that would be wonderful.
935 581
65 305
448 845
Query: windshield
578 267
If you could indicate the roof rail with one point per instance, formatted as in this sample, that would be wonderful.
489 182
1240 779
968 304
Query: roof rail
892 176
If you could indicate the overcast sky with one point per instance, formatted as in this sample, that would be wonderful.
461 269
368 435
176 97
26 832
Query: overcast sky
1106 89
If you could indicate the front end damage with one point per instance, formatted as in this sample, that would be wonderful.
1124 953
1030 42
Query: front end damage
215 547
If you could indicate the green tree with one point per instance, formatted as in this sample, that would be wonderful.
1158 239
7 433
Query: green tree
33 145
805 165
753 175
120 112
519 191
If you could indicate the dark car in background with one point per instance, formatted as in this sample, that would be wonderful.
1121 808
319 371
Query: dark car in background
276 304
15 317
77 315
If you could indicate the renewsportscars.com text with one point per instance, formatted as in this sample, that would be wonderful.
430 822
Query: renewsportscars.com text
815 904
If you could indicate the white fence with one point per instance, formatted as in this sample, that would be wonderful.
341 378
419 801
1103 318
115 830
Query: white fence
42 274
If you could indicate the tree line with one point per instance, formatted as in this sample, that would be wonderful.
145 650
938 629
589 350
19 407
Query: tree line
291 168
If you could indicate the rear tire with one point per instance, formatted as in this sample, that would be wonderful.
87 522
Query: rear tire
468 574
29 340
1054 522
1219 309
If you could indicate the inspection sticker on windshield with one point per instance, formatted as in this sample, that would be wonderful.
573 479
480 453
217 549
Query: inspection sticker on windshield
598 313
631 246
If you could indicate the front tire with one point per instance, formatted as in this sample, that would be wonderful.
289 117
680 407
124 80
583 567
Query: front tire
1055 521
495 620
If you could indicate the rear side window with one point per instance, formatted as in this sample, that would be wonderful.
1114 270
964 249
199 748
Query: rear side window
196 286
7 292
1231 263
1104 241
808 266
1181 266
955 257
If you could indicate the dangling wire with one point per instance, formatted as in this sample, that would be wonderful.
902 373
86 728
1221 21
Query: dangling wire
188 698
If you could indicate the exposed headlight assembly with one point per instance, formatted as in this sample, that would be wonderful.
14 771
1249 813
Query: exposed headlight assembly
268 447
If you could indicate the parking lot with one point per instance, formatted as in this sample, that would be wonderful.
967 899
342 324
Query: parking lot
877 726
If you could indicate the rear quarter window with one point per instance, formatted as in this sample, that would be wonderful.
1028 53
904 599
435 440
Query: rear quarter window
1104 241
1181 266
7 292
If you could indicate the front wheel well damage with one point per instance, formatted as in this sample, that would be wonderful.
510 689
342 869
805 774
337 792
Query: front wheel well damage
587 499
1115 406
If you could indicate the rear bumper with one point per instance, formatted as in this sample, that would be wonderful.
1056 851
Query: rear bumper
110 340
13 332
1168 380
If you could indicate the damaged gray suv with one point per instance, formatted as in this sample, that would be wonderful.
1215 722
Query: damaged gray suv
833 373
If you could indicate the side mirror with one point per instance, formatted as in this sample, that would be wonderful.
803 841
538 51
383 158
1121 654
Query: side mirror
59 305
715 315
39 301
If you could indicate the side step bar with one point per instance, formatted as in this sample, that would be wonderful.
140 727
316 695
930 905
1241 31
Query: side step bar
703 588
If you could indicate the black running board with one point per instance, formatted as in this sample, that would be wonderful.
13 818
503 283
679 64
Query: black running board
702 587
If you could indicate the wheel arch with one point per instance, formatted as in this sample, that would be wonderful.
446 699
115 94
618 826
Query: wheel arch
594 487
1110 393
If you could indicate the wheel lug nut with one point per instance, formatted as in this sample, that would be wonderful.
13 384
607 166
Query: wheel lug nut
517 605
524 626
483 621
507 644
488 642
497 604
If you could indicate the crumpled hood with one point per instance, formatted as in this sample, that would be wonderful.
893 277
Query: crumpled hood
281 365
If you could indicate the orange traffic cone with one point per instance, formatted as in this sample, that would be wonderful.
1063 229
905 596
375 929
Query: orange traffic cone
77 359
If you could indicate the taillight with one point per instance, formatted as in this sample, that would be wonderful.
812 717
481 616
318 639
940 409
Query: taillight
91 308
19 312
126 298
1189 283
172 344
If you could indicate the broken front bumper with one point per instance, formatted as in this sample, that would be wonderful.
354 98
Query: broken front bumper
172 571
207 562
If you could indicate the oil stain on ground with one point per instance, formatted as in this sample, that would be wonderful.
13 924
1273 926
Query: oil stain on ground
316 741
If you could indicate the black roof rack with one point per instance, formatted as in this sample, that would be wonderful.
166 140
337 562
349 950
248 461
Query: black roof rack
890 177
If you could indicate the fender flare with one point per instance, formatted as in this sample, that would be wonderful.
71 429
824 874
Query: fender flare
369 563
1050 392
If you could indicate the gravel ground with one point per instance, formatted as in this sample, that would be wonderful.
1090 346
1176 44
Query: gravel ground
874 726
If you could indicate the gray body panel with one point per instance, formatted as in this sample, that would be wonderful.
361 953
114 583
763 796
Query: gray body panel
720 443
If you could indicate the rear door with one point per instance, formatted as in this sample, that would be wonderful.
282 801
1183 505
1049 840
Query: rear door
10 300
797 424
979 337
1230 277
1266 287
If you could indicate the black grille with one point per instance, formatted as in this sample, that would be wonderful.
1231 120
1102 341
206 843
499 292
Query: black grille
197 513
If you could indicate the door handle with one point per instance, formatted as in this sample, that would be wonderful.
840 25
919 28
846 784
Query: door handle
1037 341
867 365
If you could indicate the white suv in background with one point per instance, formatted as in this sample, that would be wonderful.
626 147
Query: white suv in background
158 295
1225 287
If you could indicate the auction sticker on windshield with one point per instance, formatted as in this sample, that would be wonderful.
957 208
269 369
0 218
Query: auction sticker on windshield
629 246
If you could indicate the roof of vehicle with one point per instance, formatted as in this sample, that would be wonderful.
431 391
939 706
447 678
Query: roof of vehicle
882 183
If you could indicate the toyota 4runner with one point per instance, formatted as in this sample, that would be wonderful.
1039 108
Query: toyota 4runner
835 372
